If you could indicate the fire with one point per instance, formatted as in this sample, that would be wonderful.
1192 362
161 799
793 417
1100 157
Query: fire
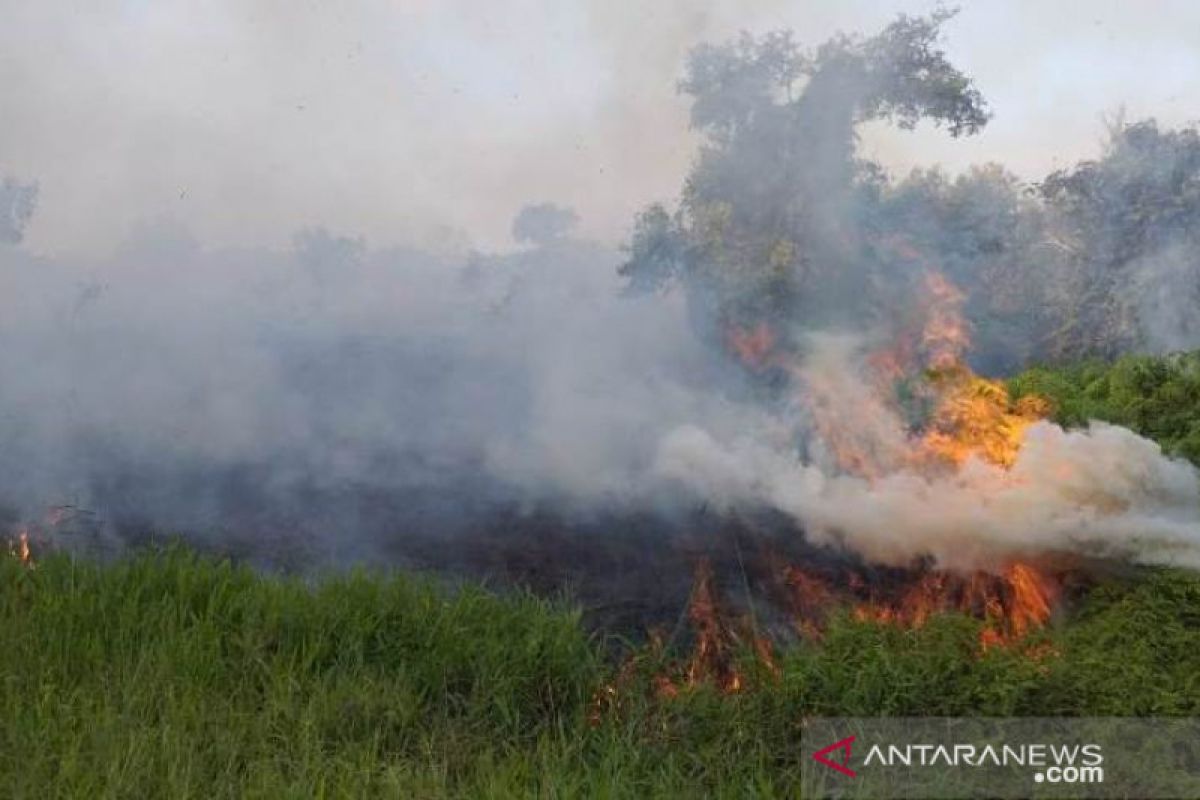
20 548
1032 598
719 638
1012 603
971 416
712 657
946 335
961 416
976 416
753 346
945 417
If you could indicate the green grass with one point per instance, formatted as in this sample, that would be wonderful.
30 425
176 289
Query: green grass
169 674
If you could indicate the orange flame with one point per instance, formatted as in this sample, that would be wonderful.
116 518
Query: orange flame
712 658
976 416
972 415
1015 602
20 549
967 416
946 336
753 346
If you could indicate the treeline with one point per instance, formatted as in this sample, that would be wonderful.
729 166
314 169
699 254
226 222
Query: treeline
781 219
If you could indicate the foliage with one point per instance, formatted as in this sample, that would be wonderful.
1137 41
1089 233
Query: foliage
782 221
171 675
1157 396
763 227
1128 223
17 201
543 223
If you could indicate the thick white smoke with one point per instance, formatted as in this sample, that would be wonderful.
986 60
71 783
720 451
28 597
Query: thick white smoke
171 368
1103 491
248 389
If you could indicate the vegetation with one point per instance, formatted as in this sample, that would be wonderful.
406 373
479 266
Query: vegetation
173 675
1157 396
17 201
169 674
782 220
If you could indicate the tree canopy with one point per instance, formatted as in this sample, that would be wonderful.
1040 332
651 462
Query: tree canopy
17 202
782 220
771 215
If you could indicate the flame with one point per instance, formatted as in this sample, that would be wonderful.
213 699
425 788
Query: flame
752 346
1032 598
1012 603
20 549
862 422
960 415
712 657
975 416
719 637
972 416
946 336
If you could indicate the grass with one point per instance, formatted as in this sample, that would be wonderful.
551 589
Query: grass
169 674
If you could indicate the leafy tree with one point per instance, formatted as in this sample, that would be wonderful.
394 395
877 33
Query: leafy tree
781 220
1130 223
987 233
773 216
543 223
17 202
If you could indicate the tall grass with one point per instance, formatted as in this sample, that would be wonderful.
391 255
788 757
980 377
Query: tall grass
169 674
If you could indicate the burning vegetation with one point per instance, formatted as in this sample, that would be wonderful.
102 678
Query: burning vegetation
961 417
19 548
784 463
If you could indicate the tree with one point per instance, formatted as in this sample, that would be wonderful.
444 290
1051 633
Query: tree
17 202
771 218
1130 224
543 223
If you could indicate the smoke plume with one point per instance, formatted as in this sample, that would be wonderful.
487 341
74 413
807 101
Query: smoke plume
1102 491
798 335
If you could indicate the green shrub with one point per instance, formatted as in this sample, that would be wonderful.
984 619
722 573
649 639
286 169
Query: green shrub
1157 396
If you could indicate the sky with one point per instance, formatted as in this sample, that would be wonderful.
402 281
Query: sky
431 122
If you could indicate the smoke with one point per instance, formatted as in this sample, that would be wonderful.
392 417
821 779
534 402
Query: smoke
228 393
337 396
396 118
785 228
1102 491
334 398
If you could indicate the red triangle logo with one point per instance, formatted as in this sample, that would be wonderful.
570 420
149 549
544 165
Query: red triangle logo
844 744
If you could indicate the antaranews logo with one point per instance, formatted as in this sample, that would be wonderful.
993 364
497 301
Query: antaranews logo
1054 763
844 745
951 758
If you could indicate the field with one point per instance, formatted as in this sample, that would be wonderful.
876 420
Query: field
172 674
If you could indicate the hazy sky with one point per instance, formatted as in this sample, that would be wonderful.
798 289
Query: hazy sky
433 121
